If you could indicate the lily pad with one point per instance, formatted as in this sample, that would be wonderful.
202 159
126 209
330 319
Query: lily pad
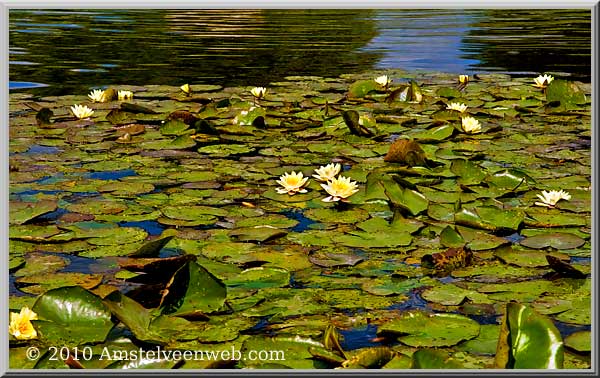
435 330
580 341
72 316
556 240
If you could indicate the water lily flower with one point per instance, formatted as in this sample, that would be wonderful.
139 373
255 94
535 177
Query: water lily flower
339 189
463 79
542 81
383 80
327 172
20 324
292 183
185 88
457 106
97 95
125 95
470 125
81 111
551 198
258 92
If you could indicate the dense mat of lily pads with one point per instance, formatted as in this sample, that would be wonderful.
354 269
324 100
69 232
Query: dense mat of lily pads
169 216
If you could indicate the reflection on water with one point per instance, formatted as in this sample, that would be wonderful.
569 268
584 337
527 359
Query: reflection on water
75 50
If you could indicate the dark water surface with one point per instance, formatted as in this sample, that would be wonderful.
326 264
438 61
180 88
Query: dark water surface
63 52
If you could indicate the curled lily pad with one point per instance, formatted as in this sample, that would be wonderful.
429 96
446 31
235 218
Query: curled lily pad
193 290
544 346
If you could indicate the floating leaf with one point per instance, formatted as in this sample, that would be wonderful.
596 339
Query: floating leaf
361 88
21 212
436 330
580 341
528 340
566 92
558 240
72 316
193 290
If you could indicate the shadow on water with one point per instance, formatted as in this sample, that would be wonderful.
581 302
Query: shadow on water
304 223
256 47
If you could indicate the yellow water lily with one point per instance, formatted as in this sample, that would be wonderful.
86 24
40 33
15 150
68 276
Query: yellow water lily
97 95
383 80
551 198
542 81
185 88
125 95
339 189
457 106
327 172
292 183
20 324
470 125
81 111
463 79
258 92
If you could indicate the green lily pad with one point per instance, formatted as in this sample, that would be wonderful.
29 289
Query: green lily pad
452 295
556 240
72 316
450 238
436 134
274 220
257 233
434 359
95 206
485 343
511 255
174 127
434 330
544 346
361 88
337 216
193 290
566 92
580 341
361 239
405 198
489 218
120 235
260 277
21 212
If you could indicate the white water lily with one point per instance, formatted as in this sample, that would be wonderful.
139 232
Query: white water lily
97 95
470 125
327 172
542 81
258 92
292 183
125 95
81 111
463 79
551 198
383 80
339 189
457 106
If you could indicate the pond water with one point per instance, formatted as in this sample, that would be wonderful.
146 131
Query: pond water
65 51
